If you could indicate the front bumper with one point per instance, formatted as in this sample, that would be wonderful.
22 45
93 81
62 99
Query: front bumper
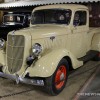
18 79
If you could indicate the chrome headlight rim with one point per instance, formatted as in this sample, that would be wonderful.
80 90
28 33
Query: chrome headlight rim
2 43
37 49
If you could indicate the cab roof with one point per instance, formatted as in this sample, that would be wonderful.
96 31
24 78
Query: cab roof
62 6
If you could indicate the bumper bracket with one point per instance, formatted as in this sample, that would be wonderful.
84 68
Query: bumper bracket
18 79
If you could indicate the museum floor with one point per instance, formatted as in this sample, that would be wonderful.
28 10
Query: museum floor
78 80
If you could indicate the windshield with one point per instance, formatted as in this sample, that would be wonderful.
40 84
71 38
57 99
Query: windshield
16 19
57 16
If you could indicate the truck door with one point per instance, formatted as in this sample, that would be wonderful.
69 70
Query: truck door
79 38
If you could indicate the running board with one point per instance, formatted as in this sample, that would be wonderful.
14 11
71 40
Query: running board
89 56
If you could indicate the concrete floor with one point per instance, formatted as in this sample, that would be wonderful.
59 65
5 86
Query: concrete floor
91 89
9 90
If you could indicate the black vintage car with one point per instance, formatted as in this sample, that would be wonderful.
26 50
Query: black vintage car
13 21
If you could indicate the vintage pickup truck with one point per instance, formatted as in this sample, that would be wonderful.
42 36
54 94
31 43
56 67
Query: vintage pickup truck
59 39
13 21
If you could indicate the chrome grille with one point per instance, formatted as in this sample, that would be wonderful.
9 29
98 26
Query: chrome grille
15 52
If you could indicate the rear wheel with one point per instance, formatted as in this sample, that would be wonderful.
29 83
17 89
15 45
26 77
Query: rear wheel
56 83
97 57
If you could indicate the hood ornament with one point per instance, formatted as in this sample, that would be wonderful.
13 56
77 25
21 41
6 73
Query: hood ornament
13 33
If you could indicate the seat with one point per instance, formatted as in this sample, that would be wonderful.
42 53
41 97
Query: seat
76 20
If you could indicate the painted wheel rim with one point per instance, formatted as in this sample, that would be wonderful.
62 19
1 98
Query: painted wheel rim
60 77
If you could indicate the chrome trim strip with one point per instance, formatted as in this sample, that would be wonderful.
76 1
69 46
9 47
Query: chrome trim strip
22 80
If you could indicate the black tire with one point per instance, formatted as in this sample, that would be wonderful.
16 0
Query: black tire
97 57
51 87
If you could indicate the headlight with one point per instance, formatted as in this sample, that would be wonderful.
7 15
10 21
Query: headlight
36 49
2 43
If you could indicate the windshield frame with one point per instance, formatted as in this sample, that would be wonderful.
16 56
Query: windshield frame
13 23
56 9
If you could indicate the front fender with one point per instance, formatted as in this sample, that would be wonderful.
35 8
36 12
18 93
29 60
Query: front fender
47 64
2 58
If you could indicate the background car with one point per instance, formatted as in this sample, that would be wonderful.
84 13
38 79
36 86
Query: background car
13 21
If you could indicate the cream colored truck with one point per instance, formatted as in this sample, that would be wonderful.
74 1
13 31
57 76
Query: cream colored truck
58 39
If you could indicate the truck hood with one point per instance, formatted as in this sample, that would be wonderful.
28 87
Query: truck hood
42 31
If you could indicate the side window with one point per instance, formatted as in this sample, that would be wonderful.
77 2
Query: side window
80 18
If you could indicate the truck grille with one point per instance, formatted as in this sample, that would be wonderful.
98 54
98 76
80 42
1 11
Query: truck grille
15 52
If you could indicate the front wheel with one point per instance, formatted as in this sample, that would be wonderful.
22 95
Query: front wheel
56 83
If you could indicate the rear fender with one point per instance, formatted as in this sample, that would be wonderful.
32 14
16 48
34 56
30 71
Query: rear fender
96 42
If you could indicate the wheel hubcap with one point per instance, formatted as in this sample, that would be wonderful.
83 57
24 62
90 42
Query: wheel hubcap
60 77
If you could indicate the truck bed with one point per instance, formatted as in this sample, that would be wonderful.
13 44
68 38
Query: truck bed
94 29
